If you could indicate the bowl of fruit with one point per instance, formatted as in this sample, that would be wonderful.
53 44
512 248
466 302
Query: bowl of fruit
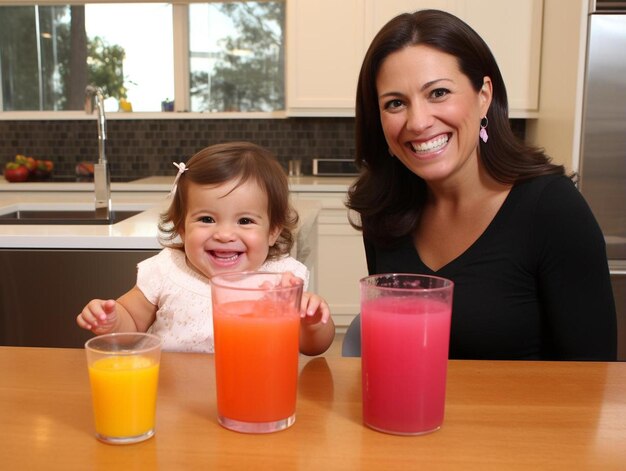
24 168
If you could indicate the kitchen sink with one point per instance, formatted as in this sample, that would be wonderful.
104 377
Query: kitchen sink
60 217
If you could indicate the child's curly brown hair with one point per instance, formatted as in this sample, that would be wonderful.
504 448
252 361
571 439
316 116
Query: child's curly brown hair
242 161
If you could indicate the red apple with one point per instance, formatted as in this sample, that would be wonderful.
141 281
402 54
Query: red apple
14 172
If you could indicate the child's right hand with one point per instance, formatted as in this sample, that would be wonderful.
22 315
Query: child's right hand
99 316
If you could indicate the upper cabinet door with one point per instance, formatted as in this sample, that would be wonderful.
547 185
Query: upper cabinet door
325 41
513 30
378 12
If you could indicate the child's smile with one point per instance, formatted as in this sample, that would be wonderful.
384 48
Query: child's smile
224 258
227 227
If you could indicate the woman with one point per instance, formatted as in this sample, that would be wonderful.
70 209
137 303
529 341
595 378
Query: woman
447 189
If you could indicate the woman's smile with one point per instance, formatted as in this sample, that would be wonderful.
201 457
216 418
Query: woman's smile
430 145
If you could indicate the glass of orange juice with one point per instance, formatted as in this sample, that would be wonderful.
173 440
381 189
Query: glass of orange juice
256 325
124 373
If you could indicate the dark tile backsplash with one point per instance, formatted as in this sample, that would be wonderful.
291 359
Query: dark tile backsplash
140 148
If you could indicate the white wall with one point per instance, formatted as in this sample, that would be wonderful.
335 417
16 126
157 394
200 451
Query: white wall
557 129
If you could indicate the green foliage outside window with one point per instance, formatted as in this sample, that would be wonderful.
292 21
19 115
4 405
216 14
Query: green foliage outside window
47 64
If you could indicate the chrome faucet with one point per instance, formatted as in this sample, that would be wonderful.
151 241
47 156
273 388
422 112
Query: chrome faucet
101 174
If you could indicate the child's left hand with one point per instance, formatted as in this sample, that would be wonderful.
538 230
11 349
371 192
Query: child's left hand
314 309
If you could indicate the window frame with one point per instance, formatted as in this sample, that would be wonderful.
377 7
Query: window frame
180 29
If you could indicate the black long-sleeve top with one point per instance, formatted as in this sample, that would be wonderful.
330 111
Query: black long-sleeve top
535 285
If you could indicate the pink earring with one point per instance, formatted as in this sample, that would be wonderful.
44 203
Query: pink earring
483 129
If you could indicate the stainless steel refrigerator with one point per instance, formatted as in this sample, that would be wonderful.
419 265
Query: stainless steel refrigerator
603 151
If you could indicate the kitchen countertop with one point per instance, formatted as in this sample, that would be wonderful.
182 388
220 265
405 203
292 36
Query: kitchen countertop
137 232
164 183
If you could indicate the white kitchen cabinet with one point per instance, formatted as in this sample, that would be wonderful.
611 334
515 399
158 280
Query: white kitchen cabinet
513 31
325 51
325 41
340 257
378 13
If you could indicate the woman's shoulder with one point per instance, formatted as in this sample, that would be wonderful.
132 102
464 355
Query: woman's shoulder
539 184
547 191
557 207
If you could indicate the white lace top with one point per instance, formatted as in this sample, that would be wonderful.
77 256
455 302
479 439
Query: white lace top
184 317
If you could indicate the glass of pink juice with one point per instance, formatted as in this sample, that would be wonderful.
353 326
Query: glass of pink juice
256 324
405 334
124 375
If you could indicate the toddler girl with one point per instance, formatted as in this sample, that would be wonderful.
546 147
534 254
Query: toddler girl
230 212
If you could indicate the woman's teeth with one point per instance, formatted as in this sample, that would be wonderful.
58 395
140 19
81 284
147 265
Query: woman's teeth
433 144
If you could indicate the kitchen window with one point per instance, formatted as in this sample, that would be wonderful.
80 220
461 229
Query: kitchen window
200 58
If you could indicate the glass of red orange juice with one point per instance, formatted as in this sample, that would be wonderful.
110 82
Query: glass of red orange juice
405 335
124 373
256 325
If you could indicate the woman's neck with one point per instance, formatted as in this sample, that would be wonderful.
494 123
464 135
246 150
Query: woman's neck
469 187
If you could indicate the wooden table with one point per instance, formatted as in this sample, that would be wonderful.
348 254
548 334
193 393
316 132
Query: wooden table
499 415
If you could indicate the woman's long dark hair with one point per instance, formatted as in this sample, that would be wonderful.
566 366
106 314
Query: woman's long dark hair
388 196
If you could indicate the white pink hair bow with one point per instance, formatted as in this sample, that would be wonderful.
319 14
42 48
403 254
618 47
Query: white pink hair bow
182 168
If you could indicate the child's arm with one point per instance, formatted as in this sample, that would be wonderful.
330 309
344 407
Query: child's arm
317 329
132 312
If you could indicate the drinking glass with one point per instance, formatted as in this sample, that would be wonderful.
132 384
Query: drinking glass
124 373
405 333
256 324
